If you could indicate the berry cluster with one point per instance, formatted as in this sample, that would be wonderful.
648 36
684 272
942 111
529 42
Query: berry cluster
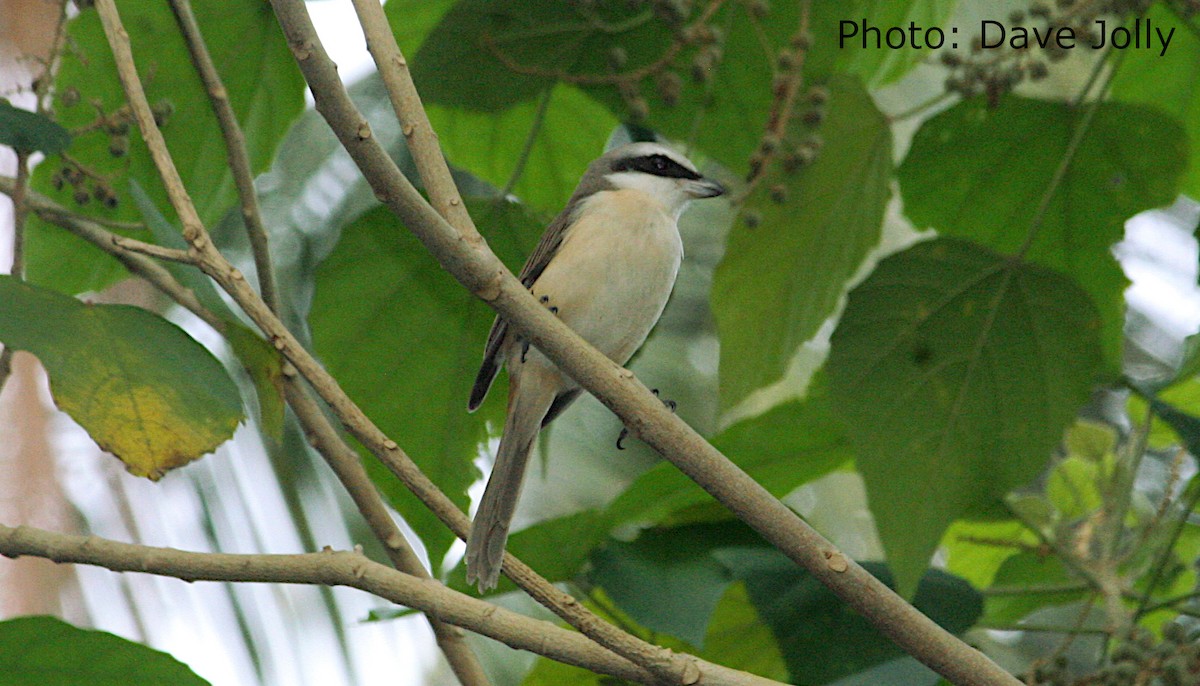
87 184
1137 659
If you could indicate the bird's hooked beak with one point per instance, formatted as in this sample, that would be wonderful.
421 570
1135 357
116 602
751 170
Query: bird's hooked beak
703 188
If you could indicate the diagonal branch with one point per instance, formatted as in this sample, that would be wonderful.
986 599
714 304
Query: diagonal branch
329 568
470 261
235 149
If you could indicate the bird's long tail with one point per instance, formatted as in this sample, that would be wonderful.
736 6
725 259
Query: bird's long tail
528 403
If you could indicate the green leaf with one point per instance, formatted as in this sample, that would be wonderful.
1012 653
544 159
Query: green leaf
1038 574
28 131
781 449
958 369
404 339
570 132
264 88
738 638
1169 82
141 387
979 173
780 281
821 638
44 651
644 577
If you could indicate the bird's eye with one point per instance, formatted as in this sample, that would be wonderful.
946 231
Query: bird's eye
660 164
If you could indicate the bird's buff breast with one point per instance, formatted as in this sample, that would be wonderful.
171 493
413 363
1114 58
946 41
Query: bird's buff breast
614 271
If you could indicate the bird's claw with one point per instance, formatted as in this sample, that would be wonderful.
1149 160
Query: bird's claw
670 405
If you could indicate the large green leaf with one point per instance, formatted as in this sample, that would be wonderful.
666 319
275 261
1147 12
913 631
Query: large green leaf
1170 82
404 339
141 387
44 651
782 279
958 369
820 637
980 173
263 85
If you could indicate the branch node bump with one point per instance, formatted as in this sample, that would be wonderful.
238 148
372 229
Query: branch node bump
390 444
836 561
364 131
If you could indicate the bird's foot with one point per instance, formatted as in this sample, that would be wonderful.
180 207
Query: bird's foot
671 405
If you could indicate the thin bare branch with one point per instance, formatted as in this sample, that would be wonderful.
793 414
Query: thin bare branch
345 463
235 149
328 568
152 250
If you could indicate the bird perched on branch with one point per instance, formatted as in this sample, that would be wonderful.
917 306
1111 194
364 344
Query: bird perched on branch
606 266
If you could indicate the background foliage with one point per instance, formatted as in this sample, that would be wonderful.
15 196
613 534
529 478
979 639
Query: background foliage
957 377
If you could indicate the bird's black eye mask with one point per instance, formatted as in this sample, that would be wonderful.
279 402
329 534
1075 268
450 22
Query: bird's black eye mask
657 165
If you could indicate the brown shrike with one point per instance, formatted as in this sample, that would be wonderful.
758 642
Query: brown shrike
606 266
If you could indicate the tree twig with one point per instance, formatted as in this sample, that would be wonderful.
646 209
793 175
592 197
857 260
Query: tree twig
152 250
328 568
235 149
92 232
480 271
345 463
414 122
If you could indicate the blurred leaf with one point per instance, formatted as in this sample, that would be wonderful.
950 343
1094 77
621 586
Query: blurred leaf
979 173
1169 82
738 638
780 281
404 338
264 88
643 577
959 369
1186 426
782 449
44 651
1040 574
28 131
141 387
821 638
975 550
547 672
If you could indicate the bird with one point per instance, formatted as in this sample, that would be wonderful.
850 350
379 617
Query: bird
605 266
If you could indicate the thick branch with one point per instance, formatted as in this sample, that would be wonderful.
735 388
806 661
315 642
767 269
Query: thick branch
470 261
235 149
327 568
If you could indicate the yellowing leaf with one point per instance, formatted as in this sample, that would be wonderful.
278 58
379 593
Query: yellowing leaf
142 388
